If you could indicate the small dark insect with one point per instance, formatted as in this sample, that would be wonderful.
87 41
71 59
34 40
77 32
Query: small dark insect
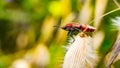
76 27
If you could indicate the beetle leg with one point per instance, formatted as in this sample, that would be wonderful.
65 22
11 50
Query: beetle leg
72 38
78 29
70 34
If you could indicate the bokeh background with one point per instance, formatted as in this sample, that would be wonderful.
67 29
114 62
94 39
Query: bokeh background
29 40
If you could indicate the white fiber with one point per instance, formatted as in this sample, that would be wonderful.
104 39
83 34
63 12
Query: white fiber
80 54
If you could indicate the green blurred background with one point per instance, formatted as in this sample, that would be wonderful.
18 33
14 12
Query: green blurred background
29 40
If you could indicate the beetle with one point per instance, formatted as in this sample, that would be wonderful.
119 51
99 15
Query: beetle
78 27
72 27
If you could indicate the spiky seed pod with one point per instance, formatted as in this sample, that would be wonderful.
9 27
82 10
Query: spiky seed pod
81 53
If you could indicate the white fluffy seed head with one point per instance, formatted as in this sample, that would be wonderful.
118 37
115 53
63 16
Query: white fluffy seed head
81 54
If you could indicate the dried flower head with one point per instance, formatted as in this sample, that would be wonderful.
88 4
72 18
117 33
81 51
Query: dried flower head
81 53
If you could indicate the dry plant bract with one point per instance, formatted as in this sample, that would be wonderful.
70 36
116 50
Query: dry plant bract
113 55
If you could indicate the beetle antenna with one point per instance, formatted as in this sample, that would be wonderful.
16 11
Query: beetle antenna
57 26
59 23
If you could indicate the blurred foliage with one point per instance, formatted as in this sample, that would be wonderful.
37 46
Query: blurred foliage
27 36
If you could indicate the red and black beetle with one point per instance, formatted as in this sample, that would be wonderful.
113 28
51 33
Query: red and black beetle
72 27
